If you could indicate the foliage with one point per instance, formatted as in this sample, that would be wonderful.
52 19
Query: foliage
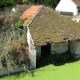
9 57
10 33
11 18
25 1
51 3
2 17
19 24
6 3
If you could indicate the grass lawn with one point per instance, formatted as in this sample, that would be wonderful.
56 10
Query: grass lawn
67 71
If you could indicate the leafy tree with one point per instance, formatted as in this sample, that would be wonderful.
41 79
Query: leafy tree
25 1
51 3
6 2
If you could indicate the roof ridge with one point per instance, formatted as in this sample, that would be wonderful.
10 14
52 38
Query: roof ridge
30 14
35 15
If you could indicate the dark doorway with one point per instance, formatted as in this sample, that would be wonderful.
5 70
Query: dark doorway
46 50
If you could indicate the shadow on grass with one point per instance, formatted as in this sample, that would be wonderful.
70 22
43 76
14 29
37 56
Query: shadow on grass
55 59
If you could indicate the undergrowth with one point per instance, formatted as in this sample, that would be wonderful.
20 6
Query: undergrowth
56 59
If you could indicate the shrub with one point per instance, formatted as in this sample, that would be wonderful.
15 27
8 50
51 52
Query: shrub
11 19
19 24
9 32
2 17
4 3
25 1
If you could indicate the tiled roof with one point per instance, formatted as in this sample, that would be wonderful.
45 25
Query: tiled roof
30 13
51 27
77 2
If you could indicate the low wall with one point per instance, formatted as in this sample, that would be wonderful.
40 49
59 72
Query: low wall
75 48
8 72
59 48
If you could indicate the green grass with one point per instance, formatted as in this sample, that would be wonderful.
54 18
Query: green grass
68 71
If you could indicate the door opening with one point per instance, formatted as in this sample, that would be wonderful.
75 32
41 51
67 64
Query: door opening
46 50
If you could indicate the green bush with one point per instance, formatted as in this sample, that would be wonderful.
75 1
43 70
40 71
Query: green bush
4 3
11 19
19 24
25 1
24 42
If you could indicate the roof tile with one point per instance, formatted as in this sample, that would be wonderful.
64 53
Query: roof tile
51 27
29 14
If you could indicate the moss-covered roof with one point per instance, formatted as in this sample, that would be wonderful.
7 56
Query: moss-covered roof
51 27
